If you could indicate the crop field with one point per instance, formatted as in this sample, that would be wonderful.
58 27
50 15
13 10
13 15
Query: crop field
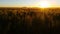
29 20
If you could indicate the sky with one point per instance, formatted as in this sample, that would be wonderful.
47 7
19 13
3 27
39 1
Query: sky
25 3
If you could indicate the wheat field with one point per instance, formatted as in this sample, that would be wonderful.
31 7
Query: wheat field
29 20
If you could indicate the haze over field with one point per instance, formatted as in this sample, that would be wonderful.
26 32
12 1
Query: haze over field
28 3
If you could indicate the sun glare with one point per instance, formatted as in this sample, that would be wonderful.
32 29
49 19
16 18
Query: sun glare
44 4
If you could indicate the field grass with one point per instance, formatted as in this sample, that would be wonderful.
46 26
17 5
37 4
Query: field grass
29 20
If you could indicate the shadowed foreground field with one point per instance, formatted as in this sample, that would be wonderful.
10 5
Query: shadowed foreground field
29 21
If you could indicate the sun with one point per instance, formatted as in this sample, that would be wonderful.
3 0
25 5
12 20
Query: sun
44 4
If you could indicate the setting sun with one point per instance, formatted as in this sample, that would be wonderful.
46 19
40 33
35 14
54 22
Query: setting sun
44 4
